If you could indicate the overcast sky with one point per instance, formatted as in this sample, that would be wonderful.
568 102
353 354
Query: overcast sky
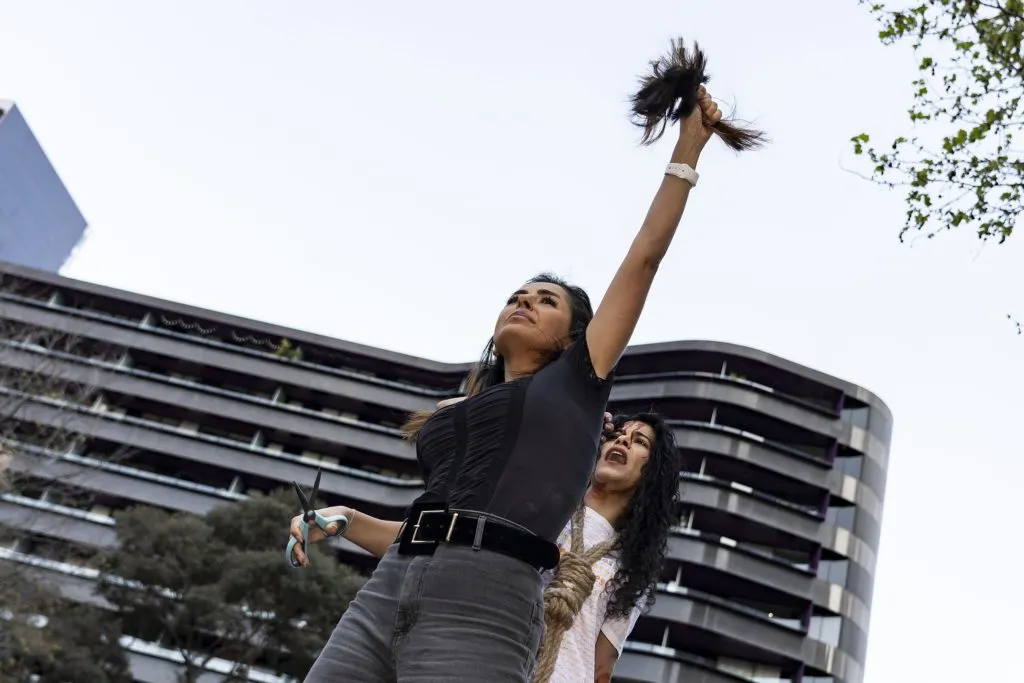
388 173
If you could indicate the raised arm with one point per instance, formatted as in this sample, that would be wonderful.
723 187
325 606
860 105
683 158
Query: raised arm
613 324
369 533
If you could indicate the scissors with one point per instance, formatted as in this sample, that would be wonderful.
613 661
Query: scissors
309 517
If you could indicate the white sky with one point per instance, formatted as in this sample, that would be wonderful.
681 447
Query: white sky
388 173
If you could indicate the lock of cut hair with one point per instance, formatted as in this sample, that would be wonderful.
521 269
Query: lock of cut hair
668 93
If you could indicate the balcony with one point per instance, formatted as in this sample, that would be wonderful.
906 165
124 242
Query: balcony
644 663
688 621
233 358
736 512
189 396
114 482
378 494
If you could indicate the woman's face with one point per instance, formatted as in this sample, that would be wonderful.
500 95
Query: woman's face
623 456
535 318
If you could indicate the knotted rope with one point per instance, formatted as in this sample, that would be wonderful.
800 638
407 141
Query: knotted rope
565 595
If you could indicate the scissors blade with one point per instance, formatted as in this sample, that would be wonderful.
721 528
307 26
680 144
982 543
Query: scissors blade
306 508
316 486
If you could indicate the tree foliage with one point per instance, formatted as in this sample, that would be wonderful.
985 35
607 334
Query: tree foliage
45 639
961 165
219 586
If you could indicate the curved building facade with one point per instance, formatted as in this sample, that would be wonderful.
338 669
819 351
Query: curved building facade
770 570
769 576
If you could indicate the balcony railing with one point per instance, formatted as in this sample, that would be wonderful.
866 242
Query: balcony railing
205 388
233 348
381 382
737 546
108 466
809 510
690 658
752 437
37 504
346 470
725 603
731 379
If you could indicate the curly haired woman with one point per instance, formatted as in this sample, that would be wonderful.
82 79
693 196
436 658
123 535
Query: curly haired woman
612 553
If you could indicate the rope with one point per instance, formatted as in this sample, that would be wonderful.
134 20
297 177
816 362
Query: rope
572 585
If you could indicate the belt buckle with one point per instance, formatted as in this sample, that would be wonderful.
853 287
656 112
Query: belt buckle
419 521
410 542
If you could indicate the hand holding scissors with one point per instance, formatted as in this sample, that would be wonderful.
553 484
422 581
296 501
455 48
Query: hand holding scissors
311 518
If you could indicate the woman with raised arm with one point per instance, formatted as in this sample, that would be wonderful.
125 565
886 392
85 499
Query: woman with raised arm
459 597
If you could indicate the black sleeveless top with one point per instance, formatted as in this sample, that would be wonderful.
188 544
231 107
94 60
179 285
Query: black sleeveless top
531 445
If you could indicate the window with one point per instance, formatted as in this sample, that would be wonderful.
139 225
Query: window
825 629
221 433
160 419
834 571
855 415
842 516
796 558
852 465
751 671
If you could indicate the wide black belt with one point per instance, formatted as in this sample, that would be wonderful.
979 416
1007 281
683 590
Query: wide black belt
428 526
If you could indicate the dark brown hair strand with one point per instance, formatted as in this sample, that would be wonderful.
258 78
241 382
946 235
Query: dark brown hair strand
669 93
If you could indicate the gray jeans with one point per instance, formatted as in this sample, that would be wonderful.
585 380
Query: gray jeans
457 616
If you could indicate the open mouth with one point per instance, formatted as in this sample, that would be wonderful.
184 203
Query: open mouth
617 455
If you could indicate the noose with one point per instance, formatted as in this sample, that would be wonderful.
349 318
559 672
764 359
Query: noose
564 597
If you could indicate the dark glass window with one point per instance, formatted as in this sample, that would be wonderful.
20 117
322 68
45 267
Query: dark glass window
841 516
833 571
856 415
852 465
826 629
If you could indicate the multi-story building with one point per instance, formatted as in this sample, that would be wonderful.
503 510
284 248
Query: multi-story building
40 225
769 573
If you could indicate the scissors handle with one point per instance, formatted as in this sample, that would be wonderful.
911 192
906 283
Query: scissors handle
290 550
340 520
321 522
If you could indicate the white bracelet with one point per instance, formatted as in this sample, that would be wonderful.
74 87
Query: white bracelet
683 172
